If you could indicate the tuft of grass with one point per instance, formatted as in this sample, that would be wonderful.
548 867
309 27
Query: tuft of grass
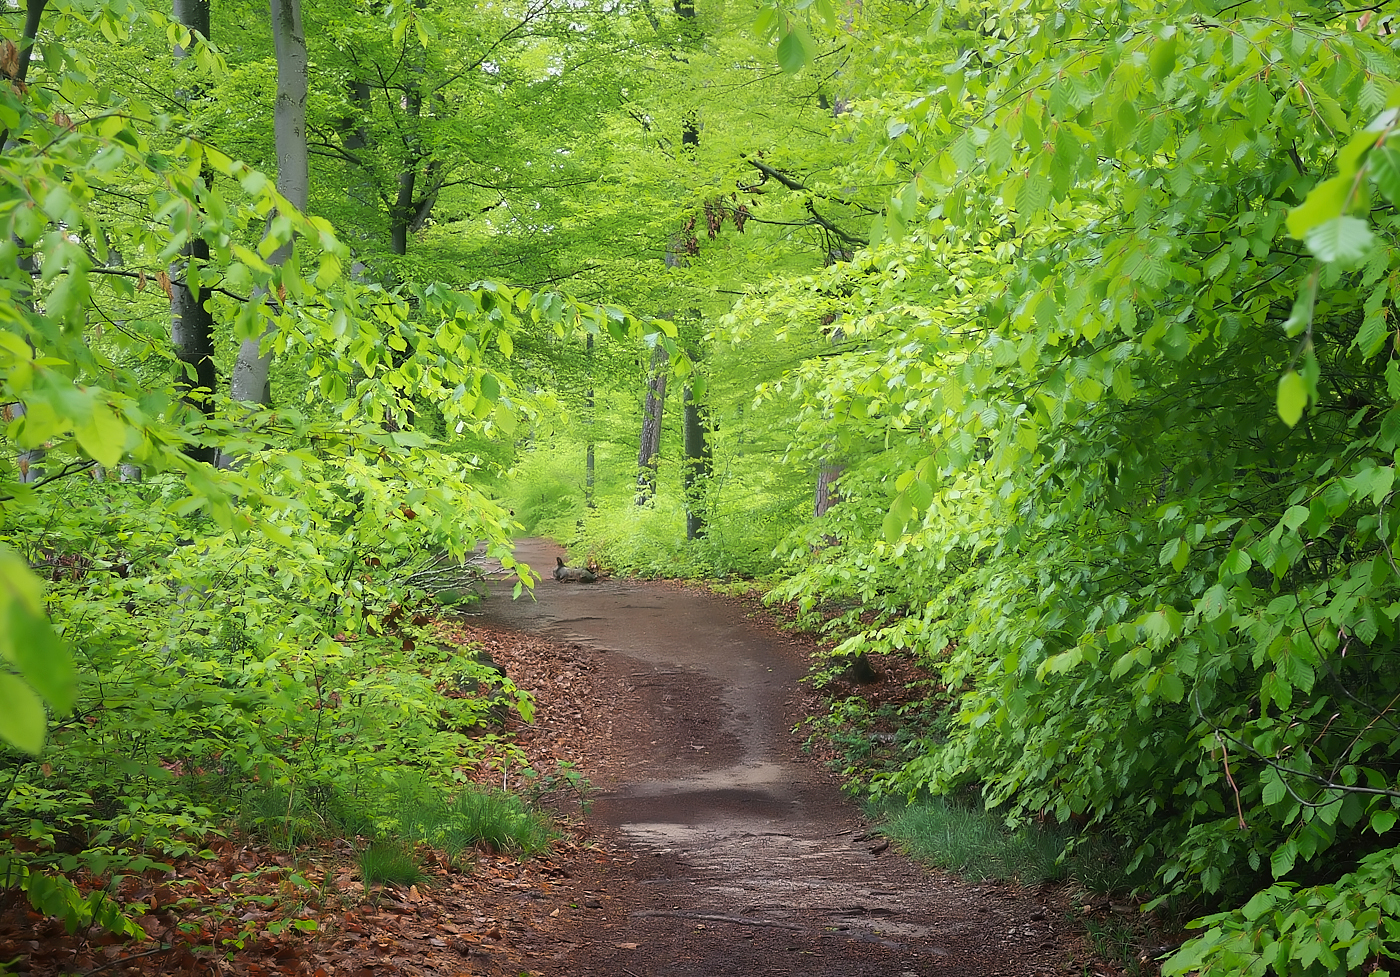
961 836
975 844
389 861
468 818
411 810
1115 939
284 816
499 820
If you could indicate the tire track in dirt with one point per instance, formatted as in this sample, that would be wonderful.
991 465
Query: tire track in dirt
733 854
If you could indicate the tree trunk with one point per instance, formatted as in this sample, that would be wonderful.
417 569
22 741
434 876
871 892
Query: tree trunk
192 336
409 211
649 456
33 14
827 495
194 15
191 322
695 476
31 462
590 411
250 374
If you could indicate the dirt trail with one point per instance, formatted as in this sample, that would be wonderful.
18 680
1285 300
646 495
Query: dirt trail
734 854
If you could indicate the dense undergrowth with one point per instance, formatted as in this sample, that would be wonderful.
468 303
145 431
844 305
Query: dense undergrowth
208 701
746 516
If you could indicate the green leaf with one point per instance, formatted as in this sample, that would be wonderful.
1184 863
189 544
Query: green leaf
1171 687
893 528
103 437
920 495
1281 862
22 719
1292 397
1373 332
1327 201
490 387
1302 315
1214 602
42 658
1384 166
1343 240
1170 550
1258 905
1236 561
1161 60
1275 789
1383 821
792 54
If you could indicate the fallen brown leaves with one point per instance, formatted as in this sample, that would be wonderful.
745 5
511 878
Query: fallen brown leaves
248 909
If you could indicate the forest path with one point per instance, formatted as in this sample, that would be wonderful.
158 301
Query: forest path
732 853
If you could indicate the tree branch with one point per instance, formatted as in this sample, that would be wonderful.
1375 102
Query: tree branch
72 468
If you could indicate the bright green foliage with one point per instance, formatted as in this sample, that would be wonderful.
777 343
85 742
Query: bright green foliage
56 896
201 628
28 644
1118 409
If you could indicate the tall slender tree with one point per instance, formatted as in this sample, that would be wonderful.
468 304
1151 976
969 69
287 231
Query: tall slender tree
250 373
191 318
654 403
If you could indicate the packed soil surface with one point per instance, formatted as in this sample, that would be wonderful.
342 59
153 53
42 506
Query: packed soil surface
717 846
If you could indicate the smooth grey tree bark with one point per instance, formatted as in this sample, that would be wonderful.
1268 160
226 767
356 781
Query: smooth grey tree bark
30 463
827 495
250 373
590 411
649 454
698 465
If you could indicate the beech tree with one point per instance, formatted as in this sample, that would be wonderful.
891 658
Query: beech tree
191 321
250 372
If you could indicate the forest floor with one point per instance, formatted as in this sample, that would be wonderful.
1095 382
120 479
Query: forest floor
708 842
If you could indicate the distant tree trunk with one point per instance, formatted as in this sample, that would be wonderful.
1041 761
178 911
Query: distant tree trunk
831 469
649 455
698 466
826 486
31 462
250 373
33 15
419 174
191 322
590 409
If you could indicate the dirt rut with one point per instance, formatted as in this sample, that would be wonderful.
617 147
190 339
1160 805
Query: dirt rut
734 854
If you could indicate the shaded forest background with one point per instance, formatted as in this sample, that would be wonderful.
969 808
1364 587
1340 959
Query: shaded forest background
1048 345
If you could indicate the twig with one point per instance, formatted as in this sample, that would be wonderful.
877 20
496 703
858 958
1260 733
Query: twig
718 918
1239 809
72 468
135 956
